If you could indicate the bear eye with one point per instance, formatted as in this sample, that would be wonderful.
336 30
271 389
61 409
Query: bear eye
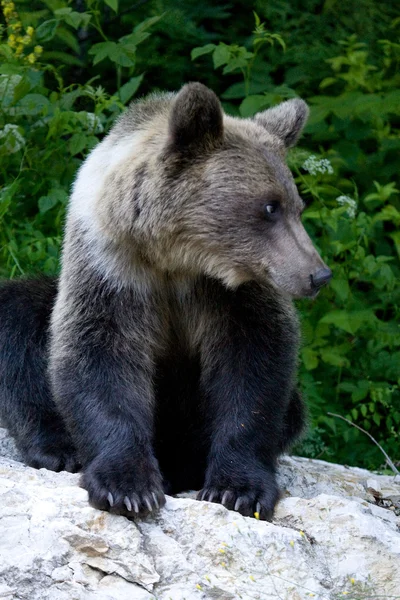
271 210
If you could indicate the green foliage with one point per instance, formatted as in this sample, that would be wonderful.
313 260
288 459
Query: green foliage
67 69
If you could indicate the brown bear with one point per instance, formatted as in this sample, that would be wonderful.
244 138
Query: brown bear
164 358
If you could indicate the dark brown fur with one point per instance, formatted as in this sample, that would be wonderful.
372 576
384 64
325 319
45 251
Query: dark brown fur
173 346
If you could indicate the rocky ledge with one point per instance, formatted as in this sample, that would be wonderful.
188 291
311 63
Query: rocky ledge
336 534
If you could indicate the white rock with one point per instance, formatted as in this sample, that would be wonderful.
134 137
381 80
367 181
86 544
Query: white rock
328 538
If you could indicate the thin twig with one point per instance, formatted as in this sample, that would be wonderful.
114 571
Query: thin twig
389 462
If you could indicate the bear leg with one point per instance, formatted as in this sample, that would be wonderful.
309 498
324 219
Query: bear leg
248 364
26 405
295 421
101 369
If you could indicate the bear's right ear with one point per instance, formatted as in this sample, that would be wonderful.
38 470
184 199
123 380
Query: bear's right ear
286 120
196 120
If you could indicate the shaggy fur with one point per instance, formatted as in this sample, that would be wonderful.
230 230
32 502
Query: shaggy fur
172 344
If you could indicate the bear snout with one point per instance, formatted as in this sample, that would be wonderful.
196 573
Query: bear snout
320 278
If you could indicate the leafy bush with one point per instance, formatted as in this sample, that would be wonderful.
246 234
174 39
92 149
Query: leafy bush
68 70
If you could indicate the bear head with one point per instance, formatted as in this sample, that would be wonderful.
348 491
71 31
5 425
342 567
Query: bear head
180 187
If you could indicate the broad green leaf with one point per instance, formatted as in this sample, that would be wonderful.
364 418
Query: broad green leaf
339 318
33 104
46 203
130 88
201 50
46 31
120 56
309 358
396 238
68 38
350 321
102 51
331 356
252 105
54 197
77 143
341 287
221 55
149 22
72 18
63 57
112 4
21 90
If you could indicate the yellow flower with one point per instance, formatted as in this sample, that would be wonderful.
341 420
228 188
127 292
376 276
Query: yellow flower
30 31
19 50
38 50
16 26
31 58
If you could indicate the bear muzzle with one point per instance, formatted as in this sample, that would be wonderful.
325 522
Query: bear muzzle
320 278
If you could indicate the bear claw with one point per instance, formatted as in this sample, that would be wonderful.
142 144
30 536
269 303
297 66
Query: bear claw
259 504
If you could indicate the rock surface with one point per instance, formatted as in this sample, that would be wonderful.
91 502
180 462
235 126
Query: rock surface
336 533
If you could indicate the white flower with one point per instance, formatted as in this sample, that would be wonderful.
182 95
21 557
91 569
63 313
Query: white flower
350 203
11 139
314 165
92 122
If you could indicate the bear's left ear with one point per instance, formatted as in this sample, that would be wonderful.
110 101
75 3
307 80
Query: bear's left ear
286 120
196 120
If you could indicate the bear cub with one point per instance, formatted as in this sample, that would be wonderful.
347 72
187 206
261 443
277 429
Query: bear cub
164 357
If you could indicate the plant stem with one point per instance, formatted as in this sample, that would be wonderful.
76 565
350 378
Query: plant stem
388 460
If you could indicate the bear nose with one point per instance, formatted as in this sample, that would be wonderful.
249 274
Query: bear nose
319 278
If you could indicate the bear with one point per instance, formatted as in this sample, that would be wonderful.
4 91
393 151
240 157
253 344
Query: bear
164 357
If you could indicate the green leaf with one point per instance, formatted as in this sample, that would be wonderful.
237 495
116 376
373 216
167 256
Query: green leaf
341 287
396 238
376 418
64 57
112 4
331 356
47 30
21 90
77 143
221 55
201 50
149 22
102 51
130 88
68 38
73 18
54 197
309 358
253 104
350 321
120 56
33 104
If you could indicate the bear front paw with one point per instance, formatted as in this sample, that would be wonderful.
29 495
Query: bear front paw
249 499
124 489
